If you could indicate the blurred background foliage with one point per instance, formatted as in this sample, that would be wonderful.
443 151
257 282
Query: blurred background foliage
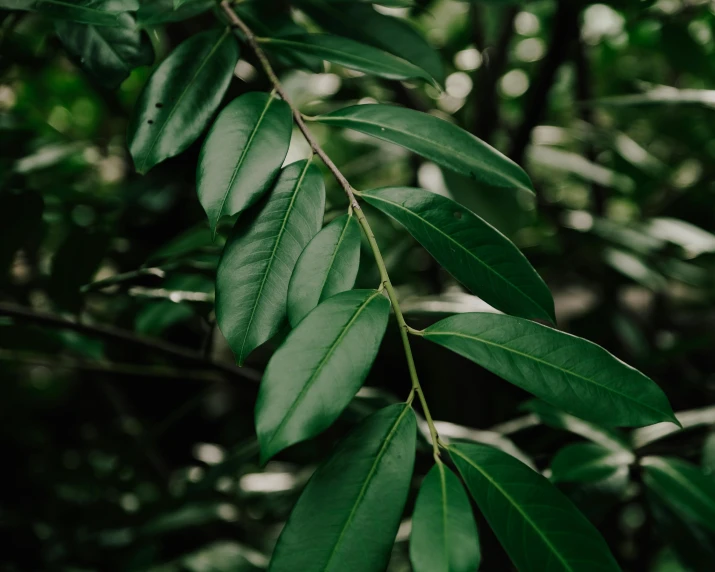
127 434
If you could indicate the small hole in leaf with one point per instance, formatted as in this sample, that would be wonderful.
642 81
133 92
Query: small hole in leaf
150 121
160 105
457 215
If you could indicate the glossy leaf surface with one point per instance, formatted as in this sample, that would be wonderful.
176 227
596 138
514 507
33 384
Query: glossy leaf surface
587 462
470 249
180 97
328 265
536 524
444 535
242 154
80 11
564 370
319 368
156 12
348 53
259 257
349 513
683 486
433 138
107 53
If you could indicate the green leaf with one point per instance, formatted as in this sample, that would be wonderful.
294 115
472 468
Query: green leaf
682 486
433 138
536 524
348 53
470 249
564 370
242 154
444 535
259 257
107 53
587 462
317 371
94 12
154 12
180 97
328 265
349 513
362 23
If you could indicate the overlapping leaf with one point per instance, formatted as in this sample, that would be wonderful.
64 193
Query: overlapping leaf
587 462
564 370
259 257
349 513
433 138
155 12
180 97
470 249
536 524
242 154
328 265
317 371
444 535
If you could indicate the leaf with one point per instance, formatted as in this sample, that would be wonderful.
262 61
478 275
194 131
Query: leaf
349 513
327 266
107 53
564 370
180 97
683 487
363 24
92 12
536 524
319 368
433 138
348 53
444 535
470 249
587 462
154 12
259 257
242 154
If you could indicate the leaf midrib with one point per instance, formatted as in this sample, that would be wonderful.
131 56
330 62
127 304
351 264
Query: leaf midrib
688 485
427 334
523 514
470 253
334 255
443 484
181 97
313 376
363 489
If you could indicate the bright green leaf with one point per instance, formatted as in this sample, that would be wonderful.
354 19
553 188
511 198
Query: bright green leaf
317 371
155 12
259 257
536 524
348 53
444 535
470 249
242 154
433 138
349 513
683 486
564 370
107 53
587 462
328 265
180 97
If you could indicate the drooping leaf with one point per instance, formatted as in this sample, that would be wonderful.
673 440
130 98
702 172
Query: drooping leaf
564 370
348 53
242 154
180 97
444 535
362 23
587 462
259 257
107 53
155 12
433 138
683 486
349 513
328 265
319 368
536 524
470 249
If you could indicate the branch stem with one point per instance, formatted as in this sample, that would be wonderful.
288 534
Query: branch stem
253 42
